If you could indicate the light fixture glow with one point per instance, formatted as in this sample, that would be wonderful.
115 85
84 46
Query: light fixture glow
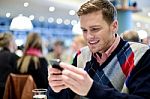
7 15
72 12
50 20
41 18
73 22
51 9
59 21
21 23
26 4
31 17
67 22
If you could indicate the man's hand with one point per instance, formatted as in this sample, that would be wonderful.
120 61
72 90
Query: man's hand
55 80
76 79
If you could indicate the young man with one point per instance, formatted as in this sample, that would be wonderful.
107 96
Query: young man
113 68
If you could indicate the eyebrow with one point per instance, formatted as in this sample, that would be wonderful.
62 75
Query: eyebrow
82 28
91 26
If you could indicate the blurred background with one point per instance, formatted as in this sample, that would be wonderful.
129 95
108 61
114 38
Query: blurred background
57 19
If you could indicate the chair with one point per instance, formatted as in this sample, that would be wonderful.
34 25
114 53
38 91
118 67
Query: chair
19 86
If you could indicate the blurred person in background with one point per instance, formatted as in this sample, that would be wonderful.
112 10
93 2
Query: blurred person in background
8 58
109 67
32 62
77 43
58 49
131 35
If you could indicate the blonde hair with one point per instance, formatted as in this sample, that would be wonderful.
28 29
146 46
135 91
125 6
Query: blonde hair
5 39
33 41
78 42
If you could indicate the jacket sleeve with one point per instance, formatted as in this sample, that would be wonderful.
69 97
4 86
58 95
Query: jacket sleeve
138 84
64 94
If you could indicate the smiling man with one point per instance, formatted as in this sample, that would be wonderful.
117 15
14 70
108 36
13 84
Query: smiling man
109 67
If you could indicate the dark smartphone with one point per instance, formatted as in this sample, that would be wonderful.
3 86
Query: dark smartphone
55 63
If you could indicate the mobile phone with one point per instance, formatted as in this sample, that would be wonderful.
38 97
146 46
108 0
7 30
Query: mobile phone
55 63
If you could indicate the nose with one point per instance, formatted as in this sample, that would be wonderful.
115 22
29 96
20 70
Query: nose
90 35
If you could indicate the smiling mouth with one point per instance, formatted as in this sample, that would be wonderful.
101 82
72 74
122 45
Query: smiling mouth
93 42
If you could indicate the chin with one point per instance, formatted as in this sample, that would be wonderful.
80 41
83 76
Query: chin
93 50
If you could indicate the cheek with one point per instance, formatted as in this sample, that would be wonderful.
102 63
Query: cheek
104 36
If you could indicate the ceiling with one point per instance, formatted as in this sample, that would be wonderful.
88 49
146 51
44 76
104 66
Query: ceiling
40 8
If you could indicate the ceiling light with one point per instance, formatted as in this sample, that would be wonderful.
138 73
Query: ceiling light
50 20
67 22
51 9
72 12
59 21
7 15
73 22
31 17
41 18
26 4
21 23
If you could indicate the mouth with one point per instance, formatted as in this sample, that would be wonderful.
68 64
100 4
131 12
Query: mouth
93 42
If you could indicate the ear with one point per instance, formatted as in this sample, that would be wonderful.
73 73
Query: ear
114 26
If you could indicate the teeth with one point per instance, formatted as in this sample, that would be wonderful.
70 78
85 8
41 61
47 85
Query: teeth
93 42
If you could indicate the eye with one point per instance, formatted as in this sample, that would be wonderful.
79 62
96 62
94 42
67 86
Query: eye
95 29
84 30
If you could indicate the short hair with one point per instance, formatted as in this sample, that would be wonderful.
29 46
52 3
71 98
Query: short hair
131 36
108 10
80 39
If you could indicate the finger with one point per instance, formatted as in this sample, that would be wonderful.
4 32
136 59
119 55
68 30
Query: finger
54 77
56 83
73 75
70 83
71 68
59 88
54 71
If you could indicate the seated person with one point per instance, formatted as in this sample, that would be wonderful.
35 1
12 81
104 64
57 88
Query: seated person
8 58
32 62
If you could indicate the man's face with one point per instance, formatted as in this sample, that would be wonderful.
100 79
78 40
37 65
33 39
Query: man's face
98 34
